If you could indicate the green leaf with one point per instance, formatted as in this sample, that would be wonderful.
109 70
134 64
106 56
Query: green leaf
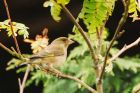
37 76
13 63
132 6
127 64
112 83
55 12
24 33
55 8
95 12
63 2
61 86
48 3
17 27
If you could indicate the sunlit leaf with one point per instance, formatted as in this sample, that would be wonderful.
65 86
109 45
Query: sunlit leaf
133 7
40 42
18 28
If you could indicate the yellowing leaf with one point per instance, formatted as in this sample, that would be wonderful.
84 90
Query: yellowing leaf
133 7
40 42
17 27
63 2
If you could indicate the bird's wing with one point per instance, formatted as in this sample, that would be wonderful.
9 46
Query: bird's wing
50 51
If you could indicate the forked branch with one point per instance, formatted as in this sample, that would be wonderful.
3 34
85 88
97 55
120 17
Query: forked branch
13 53
125 48
17 47
121 23
22 84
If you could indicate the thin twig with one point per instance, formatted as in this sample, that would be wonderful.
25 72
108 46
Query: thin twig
99 36
14 53
22 85
13 49
121 23
81 31
11 52
58 73
19 82
126 47
11 26
99 32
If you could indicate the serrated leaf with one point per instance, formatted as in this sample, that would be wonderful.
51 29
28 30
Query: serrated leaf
127 64
94 13
16 27
61 86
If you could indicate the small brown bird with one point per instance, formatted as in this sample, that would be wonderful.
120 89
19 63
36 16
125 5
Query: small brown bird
54 54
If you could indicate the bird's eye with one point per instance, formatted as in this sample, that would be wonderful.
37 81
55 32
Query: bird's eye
64 40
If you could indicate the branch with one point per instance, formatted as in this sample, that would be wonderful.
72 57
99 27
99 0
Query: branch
12 52
11 25
99 32
121 23
22 85
82 33
57 73
126 47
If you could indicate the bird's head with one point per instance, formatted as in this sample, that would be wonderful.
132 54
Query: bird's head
63 41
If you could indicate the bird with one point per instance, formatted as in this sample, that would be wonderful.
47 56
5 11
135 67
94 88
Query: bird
53 55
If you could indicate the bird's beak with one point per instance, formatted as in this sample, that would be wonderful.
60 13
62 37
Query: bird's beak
71 41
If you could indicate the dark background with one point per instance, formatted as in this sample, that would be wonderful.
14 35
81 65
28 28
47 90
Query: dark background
36 17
